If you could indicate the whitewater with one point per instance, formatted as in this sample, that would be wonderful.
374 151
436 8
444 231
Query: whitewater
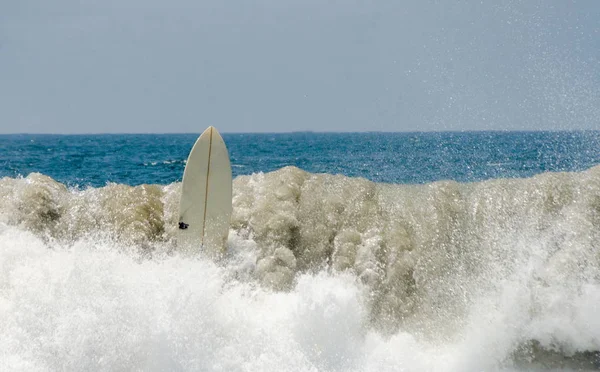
323 273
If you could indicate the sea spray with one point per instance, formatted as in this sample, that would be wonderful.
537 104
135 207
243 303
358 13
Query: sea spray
484 275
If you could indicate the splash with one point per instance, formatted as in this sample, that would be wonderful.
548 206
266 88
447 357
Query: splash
324 272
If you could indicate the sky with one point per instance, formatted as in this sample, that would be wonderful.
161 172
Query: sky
158 66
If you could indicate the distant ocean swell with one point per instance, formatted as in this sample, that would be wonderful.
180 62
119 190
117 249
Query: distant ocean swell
510 267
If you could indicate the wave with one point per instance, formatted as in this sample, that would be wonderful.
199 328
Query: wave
505 268
165 162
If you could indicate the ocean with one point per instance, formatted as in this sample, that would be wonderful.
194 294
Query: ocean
470 251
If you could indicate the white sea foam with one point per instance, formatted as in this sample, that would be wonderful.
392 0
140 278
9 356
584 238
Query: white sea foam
323 273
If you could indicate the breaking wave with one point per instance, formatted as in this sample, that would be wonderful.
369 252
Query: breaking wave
323 272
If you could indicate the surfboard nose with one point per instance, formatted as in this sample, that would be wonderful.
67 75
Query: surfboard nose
209 131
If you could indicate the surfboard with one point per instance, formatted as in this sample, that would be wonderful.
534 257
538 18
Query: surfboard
205 205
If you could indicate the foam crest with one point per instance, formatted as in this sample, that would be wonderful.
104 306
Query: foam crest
46 207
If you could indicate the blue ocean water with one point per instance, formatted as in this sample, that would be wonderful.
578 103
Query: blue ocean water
133 159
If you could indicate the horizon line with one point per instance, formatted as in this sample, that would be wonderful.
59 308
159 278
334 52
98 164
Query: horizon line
305 131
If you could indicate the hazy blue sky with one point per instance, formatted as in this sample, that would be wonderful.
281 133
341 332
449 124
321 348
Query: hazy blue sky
81 66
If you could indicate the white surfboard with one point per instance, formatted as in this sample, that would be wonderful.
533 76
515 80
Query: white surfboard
205 204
